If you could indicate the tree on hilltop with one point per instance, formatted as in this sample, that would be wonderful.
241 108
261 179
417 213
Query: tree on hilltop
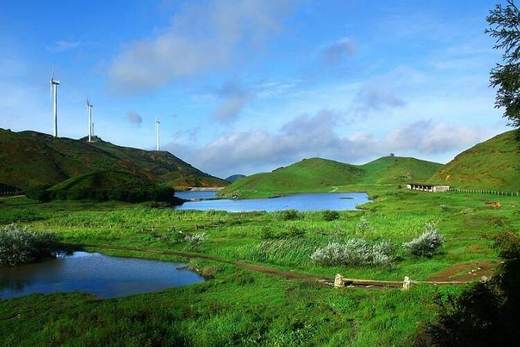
504 27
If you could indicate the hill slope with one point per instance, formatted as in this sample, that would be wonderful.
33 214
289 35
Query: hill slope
317 174
390 170
31 159
233 178
493 164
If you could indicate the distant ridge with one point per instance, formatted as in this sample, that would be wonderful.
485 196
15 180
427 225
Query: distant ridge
317 174
31 159
492 164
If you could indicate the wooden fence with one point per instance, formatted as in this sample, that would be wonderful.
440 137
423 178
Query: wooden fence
6 190
484 191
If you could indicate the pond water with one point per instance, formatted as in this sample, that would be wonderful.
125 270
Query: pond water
94 273
197 195
300 202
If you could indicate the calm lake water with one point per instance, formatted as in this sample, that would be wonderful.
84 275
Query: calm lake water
300 202
94 273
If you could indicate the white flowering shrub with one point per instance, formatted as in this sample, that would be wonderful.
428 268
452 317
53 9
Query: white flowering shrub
427 243
20 245
363 225
354 252
195 239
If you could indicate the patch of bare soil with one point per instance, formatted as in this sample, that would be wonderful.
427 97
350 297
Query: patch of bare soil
465 271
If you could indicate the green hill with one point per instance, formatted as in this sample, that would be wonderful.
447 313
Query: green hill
31 159
390 170
106 185
317 174
493 164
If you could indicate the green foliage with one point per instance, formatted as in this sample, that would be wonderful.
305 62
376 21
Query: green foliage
363 225
504 27
428 243
289 215
20 245
485 314
329 215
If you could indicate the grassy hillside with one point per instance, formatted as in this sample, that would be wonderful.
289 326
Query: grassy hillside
103 180
390 170
234 178
107 185
31 159
316 174
493 164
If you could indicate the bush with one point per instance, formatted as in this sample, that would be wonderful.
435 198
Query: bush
363 225
329 215
354 252
290 215
426 244
20 245
40 194
195 239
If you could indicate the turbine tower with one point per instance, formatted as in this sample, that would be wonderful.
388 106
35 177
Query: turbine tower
157 133
54 95
90 124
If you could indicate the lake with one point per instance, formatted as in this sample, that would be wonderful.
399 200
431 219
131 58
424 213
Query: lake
94 273
300 202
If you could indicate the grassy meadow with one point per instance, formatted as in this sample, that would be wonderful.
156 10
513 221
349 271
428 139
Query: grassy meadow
242 307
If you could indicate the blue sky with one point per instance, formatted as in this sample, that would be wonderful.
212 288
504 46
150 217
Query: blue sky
250 85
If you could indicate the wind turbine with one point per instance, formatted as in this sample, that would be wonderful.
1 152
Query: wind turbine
54 96
157 125
90 124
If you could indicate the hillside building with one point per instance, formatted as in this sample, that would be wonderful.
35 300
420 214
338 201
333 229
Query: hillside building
426 187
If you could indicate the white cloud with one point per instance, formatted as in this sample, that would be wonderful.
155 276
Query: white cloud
134 118
233 98
201 38
338 51
307 136
63 45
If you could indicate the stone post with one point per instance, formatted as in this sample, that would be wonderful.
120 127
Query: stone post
407 283
338 281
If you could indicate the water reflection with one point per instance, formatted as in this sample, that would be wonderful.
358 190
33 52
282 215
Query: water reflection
94 273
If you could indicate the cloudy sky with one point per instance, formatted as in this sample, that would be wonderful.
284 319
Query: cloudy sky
242 86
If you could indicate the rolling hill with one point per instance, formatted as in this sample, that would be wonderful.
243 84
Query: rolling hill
493 164
233 178
317 174
31 159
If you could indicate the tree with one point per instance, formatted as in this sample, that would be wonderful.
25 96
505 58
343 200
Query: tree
504 27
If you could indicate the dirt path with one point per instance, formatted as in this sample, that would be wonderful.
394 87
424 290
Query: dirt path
291 275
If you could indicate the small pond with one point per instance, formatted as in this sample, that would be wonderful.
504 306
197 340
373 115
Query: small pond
94 273
300 202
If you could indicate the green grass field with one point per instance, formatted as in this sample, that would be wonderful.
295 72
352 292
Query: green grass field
242 307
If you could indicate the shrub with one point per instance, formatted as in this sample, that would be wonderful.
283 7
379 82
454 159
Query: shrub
195 239
363 225
20 245
354 252
40 194
427 243
329 215
290 215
